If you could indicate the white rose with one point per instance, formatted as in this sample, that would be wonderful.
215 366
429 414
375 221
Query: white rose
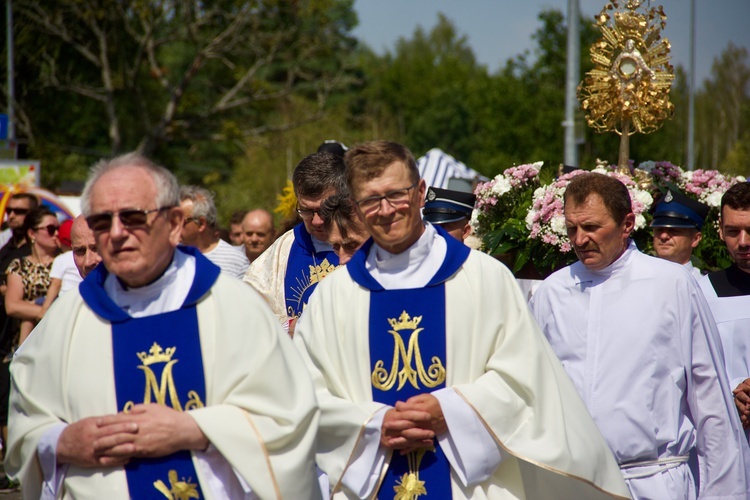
687 176
645 198
502 186
640 221
714 199
530 218
557 224
537 165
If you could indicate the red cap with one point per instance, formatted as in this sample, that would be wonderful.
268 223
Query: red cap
64 232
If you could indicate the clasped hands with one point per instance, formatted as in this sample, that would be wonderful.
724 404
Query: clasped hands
147 430
742 402
413 424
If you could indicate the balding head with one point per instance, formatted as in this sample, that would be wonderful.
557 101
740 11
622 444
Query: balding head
258 232
83 246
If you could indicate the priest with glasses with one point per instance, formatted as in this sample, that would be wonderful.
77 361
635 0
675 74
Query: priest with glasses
431 375
149 380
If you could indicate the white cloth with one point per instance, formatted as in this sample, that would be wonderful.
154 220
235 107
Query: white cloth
549 443
64 268
231 260
260 415
732 316
638 341
694 271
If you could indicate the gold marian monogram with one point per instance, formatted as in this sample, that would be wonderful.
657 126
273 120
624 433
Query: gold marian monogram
166 386
179 490
384 380
409 487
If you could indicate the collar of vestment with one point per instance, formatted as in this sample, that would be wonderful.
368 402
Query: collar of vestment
93 290
730 282
614 268
306 241
456 254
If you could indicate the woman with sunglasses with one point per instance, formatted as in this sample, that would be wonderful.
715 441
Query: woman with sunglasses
28 278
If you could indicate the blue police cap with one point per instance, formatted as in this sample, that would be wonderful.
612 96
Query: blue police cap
443 205
677 210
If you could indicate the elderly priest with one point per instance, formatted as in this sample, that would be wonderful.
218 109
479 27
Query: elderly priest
150 381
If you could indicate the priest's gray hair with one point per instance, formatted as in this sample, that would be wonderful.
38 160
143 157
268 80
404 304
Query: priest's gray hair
203 203
167 187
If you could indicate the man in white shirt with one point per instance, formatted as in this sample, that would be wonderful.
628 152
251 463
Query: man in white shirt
149 380
477 405
200 230
677 225
728 294
637 338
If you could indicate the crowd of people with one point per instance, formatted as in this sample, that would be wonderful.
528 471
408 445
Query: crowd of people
367 351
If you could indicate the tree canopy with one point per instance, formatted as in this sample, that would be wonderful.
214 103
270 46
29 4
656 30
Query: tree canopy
231 94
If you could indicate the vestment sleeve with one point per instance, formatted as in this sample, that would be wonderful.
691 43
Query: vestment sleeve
724 456
261 415
344 413
266 274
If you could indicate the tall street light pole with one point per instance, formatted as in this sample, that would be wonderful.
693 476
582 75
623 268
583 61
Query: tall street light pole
571 83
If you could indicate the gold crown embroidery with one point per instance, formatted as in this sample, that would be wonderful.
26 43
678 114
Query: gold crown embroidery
158 355
318 272
405 322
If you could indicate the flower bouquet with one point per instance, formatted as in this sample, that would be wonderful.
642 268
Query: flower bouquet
519 214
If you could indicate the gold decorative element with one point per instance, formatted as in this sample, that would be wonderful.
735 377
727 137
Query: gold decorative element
166 385
404 322
179 490
320 271
384 380
158 355
194 401
409 487
317 273
628 89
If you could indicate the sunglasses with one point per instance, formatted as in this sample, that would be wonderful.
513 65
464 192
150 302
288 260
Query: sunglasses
51 229
17 211
129 218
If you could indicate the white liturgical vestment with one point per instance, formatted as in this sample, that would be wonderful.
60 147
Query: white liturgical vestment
498 367
639 342
732 316
259 415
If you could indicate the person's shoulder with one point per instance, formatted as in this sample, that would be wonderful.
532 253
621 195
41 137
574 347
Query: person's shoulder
660 269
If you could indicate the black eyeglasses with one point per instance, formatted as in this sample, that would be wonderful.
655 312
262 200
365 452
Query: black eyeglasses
51 229
17 211
396 198
129 218
307 214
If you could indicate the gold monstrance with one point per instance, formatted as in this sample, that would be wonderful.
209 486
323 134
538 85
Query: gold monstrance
628 89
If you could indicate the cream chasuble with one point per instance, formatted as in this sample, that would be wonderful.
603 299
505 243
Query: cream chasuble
259 412
497 361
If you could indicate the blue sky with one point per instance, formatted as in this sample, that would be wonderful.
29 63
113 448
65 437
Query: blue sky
501 29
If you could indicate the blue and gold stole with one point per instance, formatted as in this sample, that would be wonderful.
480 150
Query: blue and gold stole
157 359
304 269
408 357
